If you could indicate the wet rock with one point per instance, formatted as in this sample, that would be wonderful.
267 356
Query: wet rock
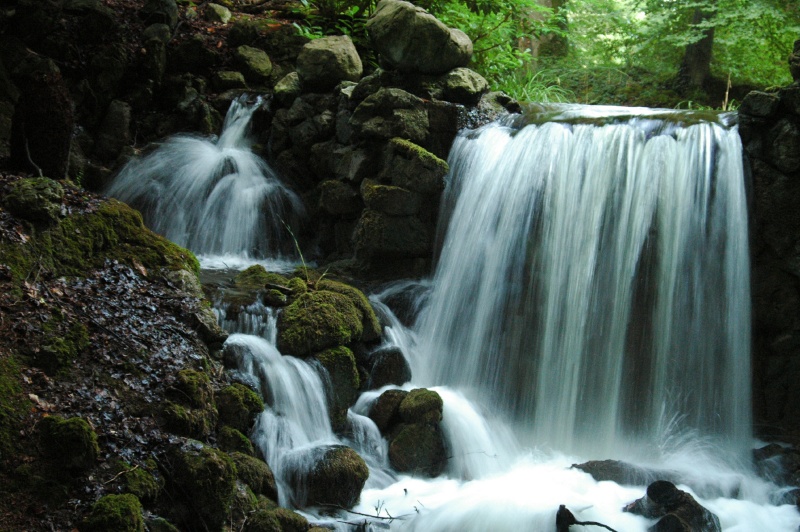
340 365
391 113
760 104
36 199
372 329
339 199
337 479
418 449
316 321
70 441
411 39
231 440
421 406
254 64
462 85
778 464
140 481
160 11
276 519
386 410
379 236
389 199
412 167
256 474
388 366
122 513
189 422
202 484
114 132
621 472
676 510
324 63
238 406
191 411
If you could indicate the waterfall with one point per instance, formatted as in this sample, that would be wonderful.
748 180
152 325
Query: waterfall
213 197
593 284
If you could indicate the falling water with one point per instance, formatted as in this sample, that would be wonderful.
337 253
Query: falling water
594 285
213 197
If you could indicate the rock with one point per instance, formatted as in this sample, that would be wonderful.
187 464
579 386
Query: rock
388 199
372 329
385 412
231 440
276 519
159 524
71 442
316 321
37 199
218 13
794 61
224 80
379 236
97 22
122 513
238 406
785 149
193 388
287 89
140 481
193 55
418 449
201 484
186 421
324 63
337 478
412 167
256 474
339 199
462 85
157 31
388 366
622 473
191 411
760 104
340 365
677 510
254 64
421 406
160 11
411 39
391 113
114 133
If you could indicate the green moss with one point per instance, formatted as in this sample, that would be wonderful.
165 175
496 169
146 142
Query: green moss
193 388
238 406
159 524
13 405
337 478
37 199
190 422
60 351
231 440
121 513
421 406
256 474
372 327
409 149
340 364
276 520
252 278
203 480
419 449
70 441
318 320
138 481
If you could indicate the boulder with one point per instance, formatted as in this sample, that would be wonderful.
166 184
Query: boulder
157 31
71 442
238 406
287 89
412 167
339 199
337 478
390 113
676 510
418 449
388 199
256 474
380 236
388 366
224 80
316 321
160 11
785 149
218 13
760 104
114 133
622 473
193 55
340 365
324 63
385 412
462 85
254 64
232 440
37 199
410 39
421 406
274 519
122 513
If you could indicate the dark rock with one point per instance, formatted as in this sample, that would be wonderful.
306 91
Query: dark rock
760 104
421 406
193 55
785 149
462 85
122 513
339 199
410 39
412 167
70 441
316 321
287 89
324 63
418 449
160 11
337 479
157 31
794 61
622 473
232 440
388 366
256 474
224 80
97 22
386 410
114 133
238 406
388 199
379 236
276 519
254 64
676 510
340 365
391 113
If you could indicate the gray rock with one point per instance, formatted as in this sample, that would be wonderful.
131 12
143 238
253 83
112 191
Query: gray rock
223 80
412 167
114 133
676 510
388 199
462 85
324 63
760 104
411 39
287 89
379 236
391 113
218 13
339 199
163 11
157 31
254 63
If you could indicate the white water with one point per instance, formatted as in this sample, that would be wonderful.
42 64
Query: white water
215 197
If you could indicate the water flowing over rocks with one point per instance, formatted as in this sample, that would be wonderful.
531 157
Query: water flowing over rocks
676 510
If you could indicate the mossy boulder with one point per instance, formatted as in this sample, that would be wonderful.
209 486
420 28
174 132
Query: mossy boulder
255 473
317 320
385 412
276 520
337 478
381 237
37 199
388 366
390 113
254 63
324 63
13 404
238 406
190 422
421 406
121 513
141 482
389 199
418 448
412 167
231 440
59 351
340 364
72 442
193 388
202 483
372 329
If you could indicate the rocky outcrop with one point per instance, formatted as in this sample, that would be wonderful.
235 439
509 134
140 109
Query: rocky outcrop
770 131
410 39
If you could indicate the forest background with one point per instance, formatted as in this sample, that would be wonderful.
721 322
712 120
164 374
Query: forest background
704 54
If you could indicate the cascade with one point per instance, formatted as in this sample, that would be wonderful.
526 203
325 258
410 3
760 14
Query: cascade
213 196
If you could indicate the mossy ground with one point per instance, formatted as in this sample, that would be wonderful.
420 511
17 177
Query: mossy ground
14 405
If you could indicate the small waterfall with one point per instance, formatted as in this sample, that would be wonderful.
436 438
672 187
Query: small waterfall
593 284
213 197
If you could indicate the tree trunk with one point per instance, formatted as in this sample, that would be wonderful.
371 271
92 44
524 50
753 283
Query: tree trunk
695 68
548 45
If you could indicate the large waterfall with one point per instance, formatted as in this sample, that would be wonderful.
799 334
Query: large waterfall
594 284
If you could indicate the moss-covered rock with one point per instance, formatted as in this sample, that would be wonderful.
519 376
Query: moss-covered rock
59 351
421 406
13 405
254 63
385 412
190 422
276 520
389 199
140 481
410 166
316 321
340 364
202 482
380 237
255 473
121 513
231 440
337 478
371 326
70 441
159 524
238 406
193 388
418 448
38 199
388 366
